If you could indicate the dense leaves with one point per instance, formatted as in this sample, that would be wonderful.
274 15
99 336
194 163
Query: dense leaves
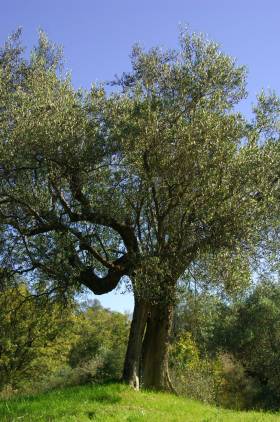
251 332
237 340
139 182
99 349
44 345
32 336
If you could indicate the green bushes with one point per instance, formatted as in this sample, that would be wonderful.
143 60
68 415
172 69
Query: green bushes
32 340
99 350
237 389
228 351
45 345
250 331
220 379
192 375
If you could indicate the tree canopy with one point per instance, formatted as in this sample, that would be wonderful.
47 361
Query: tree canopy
142 182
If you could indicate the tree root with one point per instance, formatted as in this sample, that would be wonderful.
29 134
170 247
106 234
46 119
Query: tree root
169 384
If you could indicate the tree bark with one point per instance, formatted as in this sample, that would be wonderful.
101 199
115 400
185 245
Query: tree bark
131 371
155 351
146 360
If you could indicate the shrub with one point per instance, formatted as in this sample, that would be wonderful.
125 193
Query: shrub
99 350
193 376
32 337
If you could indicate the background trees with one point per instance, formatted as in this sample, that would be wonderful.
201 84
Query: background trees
226 348
250 331
32 336
99 349
44 344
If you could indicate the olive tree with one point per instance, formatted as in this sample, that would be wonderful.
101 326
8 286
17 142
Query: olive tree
139 183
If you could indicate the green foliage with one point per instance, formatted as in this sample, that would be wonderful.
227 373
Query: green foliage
142 182
184 351
250 331
32 341
196 314
236 338
220 379
99 350
237 390
45 345
193 375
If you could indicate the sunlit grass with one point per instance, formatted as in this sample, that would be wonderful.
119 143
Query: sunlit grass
117 402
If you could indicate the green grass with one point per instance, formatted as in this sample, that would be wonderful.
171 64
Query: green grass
116 402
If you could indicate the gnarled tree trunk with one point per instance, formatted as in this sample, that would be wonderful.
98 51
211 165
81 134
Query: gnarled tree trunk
156 347
148 345
131 372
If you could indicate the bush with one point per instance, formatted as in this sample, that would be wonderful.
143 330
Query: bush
99 350
221 380
193 376
237 390
44 346
34 337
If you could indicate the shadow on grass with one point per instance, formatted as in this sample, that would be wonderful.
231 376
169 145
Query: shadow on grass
108 398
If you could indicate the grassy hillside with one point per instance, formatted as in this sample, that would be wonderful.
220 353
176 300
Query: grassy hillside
117 403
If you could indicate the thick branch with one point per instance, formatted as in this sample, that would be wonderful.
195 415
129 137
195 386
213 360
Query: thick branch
101 285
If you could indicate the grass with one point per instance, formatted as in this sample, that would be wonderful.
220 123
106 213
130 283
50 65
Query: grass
117 402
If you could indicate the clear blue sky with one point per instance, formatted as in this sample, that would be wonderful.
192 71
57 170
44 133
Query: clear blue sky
97 37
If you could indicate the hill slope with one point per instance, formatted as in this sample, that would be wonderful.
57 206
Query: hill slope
118 403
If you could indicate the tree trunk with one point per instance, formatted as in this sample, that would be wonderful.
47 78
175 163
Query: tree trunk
156 347
146 360
131 372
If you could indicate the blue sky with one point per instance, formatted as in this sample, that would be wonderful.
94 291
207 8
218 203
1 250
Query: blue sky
97 37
